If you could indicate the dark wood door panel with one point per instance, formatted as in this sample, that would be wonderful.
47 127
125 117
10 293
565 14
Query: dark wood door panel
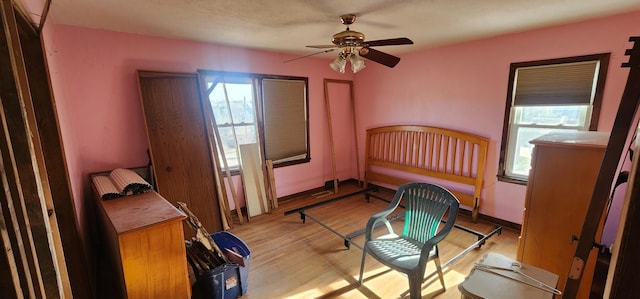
179 144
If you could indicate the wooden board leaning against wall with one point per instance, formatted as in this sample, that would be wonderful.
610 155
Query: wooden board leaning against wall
37 212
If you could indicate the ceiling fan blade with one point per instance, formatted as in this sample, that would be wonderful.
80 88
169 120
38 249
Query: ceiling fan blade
322 46
379 57
304 56
389 42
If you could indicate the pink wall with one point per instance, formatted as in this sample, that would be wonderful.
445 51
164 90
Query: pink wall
93 74
463 86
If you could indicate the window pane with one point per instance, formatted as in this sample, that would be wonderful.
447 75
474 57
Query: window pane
552 115
522 148
246 134
531 122
219 106
240 99
239 96
229 146
242 108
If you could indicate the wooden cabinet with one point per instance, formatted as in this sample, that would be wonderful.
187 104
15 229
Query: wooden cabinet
564 169
143 254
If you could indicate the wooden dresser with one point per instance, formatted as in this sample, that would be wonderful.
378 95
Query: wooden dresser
143 254
564 169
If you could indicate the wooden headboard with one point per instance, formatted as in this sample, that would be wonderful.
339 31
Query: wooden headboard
447 155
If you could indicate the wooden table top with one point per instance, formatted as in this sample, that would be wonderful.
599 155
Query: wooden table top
134 212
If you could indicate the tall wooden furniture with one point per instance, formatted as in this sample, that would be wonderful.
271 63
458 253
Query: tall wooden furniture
179 143
564 168
144 253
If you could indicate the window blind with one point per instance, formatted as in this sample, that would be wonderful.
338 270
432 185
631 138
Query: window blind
285 118
558 84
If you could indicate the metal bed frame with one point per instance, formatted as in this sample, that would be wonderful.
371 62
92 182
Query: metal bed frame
367 193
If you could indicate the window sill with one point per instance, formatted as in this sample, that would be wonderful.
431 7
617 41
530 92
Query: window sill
503 178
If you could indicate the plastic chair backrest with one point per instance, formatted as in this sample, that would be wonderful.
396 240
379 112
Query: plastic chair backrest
425 206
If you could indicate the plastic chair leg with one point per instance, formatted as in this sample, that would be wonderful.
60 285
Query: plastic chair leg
439 269
415 287
364 255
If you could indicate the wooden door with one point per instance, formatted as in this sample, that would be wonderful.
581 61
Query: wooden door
179 144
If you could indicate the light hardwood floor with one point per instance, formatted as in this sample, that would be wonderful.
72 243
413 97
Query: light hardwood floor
292 259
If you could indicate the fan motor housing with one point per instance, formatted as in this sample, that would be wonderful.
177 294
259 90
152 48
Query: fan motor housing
348 38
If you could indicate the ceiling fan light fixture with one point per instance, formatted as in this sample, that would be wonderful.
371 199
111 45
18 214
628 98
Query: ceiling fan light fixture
339 63
352 43
357 63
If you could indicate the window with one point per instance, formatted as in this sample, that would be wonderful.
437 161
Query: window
548 96
264 109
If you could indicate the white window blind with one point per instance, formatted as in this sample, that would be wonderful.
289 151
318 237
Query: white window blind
285 119
559 84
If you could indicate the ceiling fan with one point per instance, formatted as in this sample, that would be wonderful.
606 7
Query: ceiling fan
352 44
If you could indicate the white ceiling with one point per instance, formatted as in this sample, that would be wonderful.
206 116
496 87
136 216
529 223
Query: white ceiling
288 25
